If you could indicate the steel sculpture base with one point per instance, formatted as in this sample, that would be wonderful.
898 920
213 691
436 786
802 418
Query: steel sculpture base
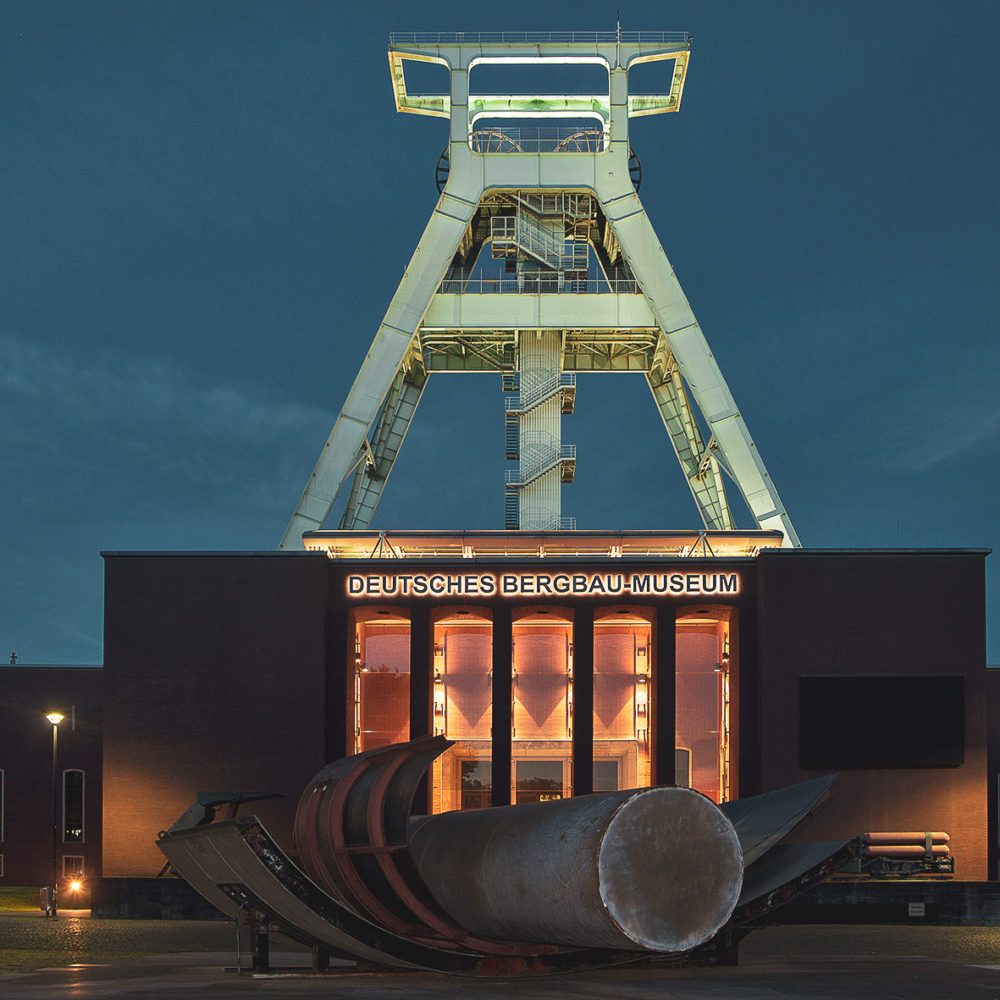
354 834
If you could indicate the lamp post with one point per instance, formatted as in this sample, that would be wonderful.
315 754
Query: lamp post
54 718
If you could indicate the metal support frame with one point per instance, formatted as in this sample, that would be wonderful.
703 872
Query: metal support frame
389 432
635 318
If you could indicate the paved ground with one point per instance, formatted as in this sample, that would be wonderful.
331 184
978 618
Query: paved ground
104 959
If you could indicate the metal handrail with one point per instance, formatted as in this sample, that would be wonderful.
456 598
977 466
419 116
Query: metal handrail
531 396
537 37
537 139
544 285
545 519
529 472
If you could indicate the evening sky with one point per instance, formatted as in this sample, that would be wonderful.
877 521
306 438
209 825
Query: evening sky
205 209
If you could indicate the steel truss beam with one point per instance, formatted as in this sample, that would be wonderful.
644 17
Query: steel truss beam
700 469
387 438
434 252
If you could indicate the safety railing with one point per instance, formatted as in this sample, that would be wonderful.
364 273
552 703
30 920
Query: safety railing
531 396
538 464
538 37
545 285
578 207
543 519
537 139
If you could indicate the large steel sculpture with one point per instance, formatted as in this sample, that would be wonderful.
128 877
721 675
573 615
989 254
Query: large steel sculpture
535 889
586 287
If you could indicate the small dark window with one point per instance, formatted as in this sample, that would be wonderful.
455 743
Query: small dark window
477 784
682 767
72 865
539 780
72 807
869 722
605 776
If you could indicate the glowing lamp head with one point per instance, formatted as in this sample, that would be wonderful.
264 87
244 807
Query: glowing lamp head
55 718
75 885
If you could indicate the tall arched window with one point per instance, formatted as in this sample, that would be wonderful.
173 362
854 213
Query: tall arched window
622 698
463 708
705 671
73 807
542 737
380 692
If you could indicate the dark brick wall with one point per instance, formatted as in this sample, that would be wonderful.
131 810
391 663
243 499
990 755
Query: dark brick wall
877 613
992 695
215 680
27 693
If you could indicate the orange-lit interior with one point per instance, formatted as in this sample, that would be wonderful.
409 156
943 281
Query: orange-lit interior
541 740
463 709
381 704
622 699
704 668
542 699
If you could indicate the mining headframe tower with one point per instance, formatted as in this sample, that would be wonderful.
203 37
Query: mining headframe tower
585 287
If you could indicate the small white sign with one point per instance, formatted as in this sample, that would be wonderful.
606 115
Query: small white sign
916 910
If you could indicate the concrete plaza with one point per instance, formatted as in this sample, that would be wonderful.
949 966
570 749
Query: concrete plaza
80 957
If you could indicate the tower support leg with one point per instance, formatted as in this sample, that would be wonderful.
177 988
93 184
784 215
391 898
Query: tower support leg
697 364
385 357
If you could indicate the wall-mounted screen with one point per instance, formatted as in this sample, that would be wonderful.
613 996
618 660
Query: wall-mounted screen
875 722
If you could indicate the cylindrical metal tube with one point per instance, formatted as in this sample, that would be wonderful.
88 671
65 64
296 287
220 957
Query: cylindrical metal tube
907 837
657 869
906 851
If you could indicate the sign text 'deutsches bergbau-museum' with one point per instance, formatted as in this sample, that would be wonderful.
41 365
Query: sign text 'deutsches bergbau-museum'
360 585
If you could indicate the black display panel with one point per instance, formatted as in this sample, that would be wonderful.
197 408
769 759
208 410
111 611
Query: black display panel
882 721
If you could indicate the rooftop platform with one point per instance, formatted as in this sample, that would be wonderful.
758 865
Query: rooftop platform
499 545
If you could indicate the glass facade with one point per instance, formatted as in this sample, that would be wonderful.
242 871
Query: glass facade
381 679
459 659
704 669
622 700
542 732
463 710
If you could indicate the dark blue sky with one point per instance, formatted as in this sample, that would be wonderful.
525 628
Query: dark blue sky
205 208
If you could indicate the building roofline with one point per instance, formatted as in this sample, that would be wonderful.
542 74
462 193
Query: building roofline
186 553
51 666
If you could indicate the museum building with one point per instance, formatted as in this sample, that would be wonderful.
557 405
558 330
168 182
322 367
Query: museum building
559 664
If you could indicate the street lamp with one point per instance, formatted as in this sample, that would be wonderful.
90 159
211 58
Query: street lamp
54 718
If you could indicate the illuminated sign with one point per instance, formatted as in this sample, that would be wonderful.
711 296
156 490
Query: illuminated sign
541 584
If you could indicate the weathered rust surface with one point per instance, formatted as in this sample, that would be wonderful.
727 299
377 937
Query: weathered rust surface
657 869
351 834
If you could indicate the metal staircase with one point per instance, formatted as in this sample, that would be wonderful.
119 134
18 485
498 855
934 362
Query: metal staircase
534 394
549 232
539 458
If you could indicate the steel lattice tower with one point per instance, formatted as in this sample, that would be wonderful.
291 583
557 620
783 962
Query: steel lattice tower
586 287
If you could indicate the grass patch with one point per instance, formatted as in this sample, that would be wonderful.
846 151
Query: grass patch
17 897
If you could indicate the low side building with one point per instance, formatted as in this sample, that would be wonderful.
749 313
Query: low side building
27 694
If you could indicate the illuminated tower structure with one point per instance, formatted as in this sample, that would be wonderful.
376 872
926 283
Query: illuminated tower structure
585 287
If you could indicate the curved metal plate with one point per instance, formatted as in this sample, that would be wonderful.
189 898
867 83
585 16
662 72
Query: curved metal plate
762 820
